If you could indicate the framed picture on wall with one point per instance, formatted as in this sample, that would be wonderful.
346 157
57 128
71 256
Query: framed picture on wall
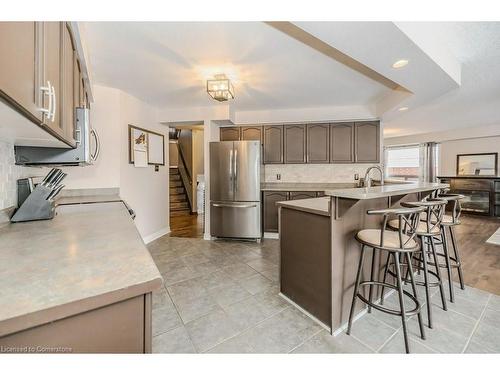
485 164
156 144
145 147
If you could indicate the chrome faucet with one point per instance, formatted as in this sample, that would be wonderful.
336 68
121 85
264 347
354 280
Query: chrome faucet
368 180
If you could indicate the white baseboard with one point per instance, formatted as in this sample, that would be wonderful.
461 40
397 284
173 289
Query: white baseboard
343 327
155 235
272 236
305 312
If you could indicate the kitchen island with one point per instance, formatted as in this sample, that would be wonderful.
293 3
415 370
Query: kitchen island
81 282
319 255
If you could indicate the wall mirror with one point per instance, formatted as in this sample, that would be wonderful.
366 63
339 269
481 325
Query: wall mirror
477 164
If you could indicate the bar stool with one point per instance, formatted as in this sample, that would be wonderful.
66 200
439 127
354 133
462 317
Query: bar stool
449 222
396 244
427 230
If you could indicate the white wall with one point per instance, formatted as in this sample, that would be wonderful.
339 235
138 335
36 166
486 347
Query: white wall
105 118
145 190
198 161
337 113
471 140
10 173
450 150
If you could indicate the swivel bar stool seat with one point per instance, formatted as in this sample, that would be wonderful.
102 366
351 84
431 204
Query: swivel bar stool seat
402 243
427 230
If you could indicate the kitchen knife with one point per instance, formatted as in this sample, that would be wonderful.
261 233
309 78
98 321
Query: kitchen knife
52 178
54 192
57 180
49 176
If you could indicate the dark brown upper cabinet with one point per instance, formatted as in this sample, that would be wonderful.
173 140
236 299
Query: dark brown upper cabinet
68 103
295 144
318 143
251 133
231 133
342 142
367 142
273 144
20 66
52 43
38 77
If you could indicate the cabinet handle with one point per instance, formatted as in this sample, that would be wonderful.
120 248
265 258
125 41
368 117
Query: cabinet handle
54 104
47 90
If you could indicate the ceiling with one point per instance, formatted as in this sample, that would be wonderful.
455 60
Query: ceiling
476 46
167 64
452 79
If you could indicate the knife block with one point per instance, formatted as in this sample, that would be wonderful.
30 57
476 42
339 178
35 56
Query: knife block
36 206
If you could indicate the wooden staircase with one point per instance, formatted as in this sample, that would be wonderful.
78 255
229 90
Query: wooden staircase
179 204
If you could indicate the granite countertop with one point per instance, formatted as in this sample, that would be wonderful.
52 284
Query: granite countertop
318 206
303 186
385 190
88 256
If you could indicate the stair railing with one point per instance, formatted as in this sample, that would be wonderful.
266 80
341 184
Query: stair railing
186 178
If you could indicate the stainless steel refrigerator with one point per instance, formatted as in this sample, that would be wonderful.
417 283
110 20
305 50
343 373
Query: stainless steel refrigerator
235 207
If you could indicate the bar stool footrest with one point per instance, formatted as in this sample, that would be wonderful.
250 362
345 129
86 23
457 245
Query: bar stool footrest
411 312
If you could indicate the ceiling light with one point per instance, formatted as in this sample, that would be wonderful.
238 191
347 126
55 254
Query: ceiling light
403 109
400 63
220 88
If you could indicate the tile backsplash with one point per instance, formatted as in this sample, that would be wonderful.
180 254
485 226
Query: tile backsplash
10 173
314 172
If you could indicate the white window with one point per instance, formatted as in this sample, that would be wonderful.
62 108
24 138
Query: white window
402 162
412 162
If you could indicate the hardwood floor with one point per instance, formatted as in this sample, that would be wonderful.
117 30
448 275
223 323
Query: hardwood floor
190 226
480 260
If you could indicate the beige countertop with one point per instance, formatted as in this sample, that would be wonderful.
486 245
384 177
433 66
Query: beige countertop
303 186
385 190
321 206
88 256
86 199
318 206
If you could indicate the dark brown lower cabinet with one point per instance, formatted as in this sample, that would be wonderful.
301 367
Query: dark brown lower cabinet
270 210
302 195
122 327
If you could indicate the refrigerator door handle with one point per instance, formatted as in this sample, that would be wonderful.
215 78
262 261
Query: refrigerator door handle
231 177
235 171
234 205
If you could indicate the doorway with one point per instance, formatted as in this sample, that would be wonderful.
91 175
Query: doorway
186 180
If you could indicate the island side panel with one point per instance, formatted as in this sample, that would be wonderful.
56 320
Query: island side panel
305 271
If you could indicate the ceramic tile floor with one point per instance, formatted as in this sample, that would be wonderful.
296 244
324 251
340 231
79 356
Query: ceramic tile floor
222 297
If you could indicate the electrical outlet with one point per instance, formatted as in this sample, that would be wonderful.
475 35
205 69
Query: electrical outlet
278 176
356 177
